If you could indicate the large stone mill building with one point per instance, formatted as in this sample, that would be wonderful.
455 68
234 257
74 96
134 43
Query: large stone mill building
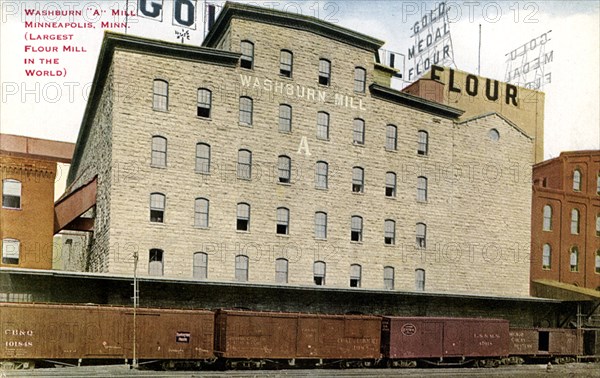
278 153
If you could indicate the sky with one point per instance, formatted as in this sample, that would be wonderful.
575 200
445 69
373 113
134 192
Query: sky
52 107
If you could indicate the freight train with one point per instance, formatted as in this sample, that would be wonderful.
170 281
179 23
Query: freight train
52 334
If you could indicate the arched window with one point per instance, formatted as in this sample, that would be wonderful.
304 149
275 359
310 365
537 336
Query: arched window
355 275
421 235
157 207
155 262
547 224
390 184
574 259
358 180
11 194
203 158
391 137
420 279
319 271
11 251
200 265
321 175
389 236
360 79
324 72
359 131
422 189
577 180
320 225
159 151
546 257
161 95
247 59
283 221
285 169
388 278
244 167
281 271
356 228
285 118
322 125
201 213
243 217
241 268
423 147
286 59
574 221
204 103
246 110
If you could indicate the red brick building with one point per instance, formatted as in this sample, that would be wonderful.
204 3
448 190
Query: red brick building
565 220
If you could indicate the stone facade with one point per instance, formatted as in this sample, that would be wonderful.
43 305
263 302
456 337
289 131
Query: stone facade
477 210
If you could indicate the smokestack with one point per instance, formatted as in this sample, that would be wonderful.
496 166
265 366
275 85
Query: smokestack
211 16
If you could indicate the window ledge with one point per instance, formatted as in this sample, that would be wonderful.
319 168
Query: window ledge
423 202
283 235
284 183
357 144
324 140
285 132
282 76
391 198
391 150
202 173
243 124
244 179
319 239
204 118
359 193
423 156
12 208
200 227
160 110
356 242
389 245
159 224
157 166
323 189
242 231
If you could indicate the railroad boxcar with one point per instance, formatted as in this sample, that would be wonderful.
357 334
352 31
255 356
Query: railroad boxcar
76 334
407 340
560 344
255 339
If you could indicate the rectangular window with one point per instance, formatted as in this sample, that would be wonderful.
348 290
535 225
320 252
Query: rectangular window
390 232
285 169
323 126
246 105
243 217
241 268
356 229
324 72
423 147
421 189
247 59
281 271
161 95
285 63
358 180
420 279
159 151
244 168
390 184
321 225
11 194
157 207
355 275
155 262
321 175
319 273
421 235
283 221
391 134
388 278
360 79
200 265
204 103
359 131
285 118
203 158
201 213
11 250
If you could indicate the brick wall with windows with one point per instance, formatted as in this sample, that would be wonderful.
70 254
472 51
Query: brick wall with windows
458 159
566 219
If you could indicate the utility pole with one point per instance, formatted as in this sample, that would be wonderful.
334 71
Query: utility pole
479 54
134 363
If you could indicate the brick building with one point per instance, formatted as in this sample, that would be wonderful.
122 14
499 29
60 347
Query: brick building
28 174
277 153
565 237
